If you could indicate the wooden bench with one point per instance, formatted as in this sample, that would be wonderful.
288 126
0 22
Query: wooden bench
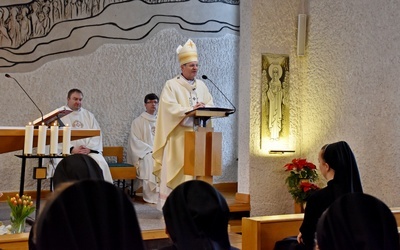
14 241
120 171
20 241
262 232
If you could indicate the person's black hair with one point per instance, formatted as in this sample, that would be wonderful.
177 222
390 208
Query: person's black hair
150 96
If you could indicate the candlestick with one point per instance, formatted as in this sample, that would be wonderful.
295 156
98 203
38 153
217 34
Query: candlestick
54 139
66 140
28 139
41 148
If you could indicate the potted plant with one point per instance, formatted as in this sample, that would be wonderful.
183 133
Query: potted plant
302 179
21 208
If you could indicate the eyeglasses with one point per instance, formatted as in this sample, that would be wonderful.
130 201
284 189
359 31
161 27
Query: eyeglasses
152 102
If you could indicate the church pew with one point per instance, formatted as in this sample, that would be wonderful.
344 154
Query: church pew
20 241
396 213
262 232
14 241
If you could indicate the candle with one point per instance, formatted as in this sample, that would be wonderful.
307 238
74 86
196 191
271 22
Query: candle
42 140
28 139
66 140
54 139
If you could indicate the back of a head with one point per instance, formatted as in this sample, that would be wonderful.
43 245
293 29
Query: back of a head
340 157
76 167
196 217
88 214
357 221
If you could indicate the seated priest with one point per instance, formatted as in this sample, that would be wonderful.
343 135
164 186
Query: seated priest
140 148
81 118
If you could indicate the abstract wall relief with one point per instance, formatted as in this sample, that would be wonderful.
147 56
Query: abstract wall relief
275 93
222 1
34 33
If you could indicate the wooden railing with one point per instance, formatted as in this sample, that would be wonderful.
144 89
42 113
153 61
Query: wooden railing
259 233
262 232
20 241
14 241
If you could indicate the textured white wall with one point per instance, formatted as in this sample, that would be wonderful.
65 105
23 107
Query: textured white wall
345 88
114 79
272 26
244 97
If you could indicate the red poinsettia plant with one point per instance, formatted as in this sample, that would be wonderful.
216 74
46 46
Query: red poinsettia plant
301 179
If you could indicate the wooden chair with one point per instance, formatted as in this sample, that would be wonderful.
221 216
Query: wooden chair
120 171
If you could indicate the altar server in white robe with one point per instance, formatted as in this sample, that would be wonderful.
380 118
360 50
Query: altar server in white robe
140 148
179 95
81 118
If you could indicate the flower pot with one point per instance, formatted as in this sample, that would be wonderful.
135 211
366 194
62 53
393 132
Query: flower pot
18 226
299 207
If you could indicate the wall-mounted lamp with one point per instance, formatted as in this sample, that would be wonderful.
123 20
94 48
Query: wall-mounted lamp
281 151
301 34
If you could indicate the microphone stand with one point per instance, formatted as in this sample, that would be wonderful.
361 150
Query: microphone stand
8 76
206 78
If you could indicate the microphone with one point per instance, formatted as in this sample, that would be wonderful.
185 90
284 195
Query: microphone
206 78
8 76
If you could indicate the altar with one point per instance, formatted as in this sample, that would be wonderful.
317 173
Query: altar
13 139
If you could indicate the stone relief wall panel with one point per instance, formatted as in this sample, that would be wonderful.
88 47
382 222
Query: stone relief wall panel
33 33
274 98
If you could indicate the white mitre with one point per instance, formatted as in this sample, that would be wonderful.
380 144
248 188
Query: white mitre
187 53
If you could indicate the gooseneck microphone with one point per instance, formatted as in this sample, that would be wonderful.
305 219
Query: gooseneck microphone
206 78
8 76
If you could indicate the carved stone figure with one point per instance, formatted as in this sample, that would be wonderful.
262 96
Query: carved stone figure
275 97
5 40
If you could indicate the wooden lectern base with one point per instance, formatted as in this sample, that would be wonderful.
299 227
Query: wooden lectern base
208 179
203 149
